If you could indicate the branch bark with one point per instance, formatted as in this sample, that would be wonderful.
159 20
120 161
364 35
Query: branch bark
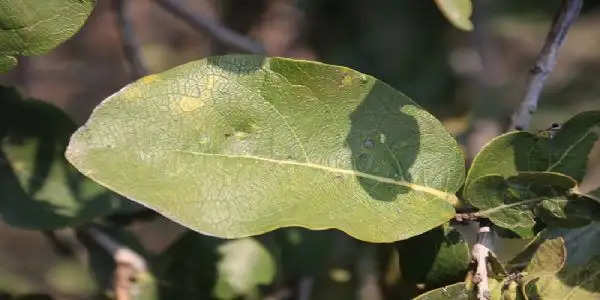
129 42
128 263
305 287
480 253
545 62
368 276
219 32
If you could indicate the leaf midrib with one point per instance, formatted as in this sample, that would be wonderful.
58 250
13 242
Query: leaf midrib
569 149
510 205
450 198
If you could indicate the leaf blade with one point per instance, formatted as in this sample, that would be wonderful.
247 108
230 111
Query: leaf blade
32 27
340 150
508 202
458 12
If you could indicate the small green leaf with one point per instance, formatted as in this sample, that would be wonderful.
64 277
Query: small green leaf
38 187
507 249
512 292
437 257
508 202
567 152
457 291
240 145
562 264
496 288
568 211
549 258
33 27
201 267
458 12
549 276
516 152
582 282
583 243
505 155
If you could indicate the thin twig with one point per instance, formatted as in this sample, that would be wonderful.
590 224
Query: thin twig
65 243
219 32
480 253
305 287
129 42
368 276
128 263
545 62
60 246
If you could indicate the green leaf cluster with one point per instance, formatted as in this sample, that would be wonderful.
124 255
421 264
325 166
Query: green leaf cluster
520 178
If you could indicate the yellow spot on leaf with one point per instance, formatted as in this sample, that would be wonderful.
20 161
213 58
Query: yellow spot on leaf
241 134
209 82
149 79
133 92
190 103
347 80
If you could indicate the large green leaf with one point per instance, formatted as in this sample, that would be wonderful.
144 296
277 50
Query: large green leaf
239 145
458 12
33 27
39 189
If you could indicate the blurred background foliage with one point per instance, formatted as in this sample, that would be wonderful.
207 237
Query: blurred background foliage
470 80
